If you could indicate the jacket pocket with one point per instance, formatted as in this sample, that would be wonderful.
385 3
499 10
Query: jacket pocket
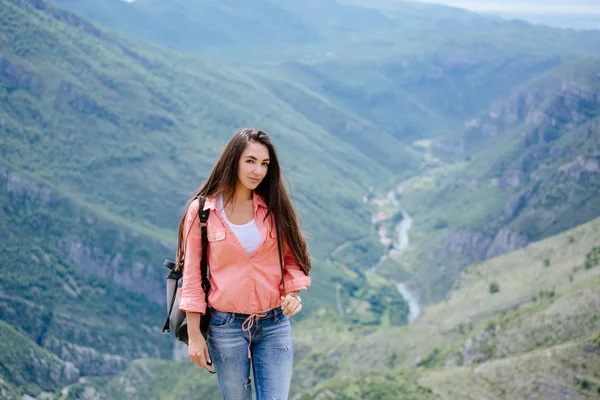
216 236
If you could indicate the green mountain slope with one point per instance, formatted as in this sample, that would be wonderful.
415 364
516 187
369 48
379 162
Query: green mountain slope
157 123
401 69
26 368
524 170
77 285
541 308
537 335
567 370
103 139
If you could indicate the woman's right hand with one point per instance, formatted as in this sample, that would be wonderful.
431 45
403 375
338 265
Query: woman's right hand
198 351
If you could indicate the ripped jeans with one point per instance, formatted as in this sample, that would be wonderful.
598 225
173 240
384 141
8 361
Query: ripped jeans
269 340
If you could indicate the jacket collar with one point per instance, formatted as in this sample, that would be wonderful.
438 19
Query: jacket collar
257 199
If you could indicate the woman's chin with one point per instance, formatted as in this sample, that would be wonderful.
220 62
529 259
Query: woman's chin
251 186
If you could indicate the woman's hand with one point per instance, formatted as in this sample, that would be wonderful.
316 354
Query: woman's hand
290 305
198 351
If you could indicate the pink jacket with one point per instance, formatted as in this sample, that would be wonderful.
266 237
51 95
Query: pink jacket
239 283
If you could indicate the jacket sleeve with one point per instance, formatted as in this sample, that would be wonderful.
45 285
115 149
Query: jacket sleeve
293 276
191 295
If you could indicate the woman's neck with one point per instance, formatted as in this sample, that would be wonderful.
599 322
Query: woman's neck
242 194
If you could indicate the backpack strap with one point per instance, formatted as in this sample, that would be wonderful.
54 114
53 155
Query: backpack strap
203 214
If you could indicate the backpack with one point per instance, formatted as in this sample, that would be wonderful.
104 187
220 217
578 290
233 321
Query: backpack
176 319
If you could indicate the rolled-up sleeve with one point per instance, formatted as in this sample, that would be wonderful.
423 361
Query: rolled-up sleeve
294 277
191 295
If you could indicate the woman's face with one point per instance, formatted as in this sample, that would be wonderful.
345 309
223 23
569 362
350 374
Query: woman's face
253 165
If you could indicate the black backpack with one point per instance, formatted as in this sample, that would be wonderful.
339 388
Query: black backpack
176 319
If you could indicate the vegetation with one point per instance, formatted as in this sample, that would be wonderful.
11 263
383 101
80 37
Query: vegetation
27 367
592 259
338 360
104 138
503 197
494 287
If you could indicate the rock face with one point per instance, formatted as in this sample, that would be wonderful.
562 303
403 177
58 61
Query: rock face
137 277
505 241
84 257
14 78
477 246
472 351
87 361
546 175
22 188
105 259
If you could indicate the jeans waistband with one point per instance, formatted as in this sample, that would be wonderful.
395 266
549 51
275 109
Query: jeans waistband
266 314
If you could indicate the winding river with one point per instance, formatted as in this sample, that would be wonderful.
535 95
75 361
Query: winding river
401 244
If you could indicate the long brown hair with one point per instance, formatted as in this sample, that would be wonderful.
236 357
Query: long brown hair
223 181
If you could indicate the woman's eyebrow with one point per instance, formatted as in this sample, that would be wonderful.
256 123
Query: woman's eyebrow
254 158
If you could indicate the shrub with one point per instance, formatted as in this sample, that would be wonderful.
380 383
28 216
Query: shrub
546 262
592 259
585 384
491 327
494 287
431 360
441 224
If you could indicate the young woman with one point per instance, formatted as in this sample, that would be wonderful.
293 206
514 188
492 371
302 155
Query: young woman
252 294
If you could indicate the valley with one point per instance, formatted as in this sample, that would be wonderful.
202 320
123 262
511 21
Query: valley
445 166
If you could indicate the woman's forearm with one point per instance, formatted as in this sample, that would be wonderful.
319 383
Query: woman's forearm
193 323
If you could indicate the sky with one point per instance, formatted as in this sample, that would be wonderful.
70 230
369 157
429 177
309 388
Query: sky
548 7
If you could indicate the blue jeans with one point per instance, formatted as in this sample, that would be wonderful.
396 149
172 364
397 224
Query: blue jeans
272 352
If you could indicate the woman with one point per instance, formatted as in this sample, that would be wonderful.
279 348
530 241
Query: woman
252 294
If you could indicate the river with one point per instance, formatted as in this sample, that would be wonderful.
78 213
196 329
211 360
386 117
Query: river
401 244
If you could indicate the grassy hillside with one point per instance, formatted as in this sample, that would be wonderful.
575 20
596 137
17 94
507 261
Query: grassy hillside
420 71
537 335
94 308
542 309
103 139
156 121
567 370
26 368
525 169
402 69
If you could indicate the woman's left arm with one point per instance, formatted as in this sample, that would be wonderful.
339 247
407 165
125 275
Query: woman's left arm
295 280
293 277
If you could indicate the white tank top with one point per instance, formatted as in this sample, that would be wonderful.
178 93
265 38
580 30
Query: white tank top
248 234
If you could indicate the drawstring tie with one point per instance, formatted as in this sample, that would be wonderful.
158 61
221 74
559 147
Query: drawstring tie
248 324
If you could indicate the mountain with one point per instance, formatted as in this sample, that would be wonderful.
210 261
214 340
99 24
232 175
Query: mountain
103 139
522 171
579 14
465 137
501 321
404 69
536 335
151 124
